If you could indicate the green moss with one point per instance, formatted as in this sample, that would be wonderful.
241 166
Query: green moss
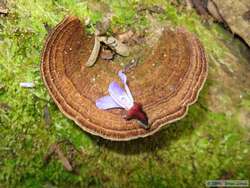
202 146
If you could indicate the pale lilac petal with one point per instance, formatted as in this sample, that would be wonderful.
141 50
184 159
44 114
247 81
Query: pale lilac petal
115 89
27 84
123 78
106 102
120 96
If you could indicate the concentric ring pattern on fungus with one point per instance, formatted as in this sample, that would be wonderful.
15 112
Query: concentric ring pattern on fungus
166 83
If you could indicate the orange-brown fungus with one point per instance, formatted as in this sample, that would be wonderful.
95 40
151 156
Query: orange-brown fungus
165 84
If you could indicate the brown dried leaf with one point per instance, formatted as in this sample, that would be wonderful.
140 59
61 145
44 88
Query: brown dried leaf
102 27
3 11
3 8
126 36
246 15
213 10
115 45
200 7
106 54
94 54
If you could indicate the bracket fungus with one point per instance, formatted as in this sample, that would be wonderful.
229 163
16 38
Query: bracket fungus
166 83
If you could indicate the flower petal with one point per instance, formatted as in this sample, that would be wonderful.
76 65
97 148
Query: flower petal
27 84
106 102
123 78
120 96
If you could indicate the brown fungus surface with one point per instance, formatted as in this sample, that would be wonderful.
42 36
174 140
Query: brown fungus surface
166 83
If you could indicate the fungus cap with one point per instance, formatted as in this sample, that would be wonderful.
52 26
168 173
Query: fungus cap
168 81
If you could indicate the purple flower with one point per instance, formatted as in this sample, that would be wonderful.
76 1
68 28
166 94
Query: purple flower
120 98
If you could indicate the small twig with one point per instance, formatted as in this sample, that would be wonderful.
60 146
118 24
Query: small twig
47 117
55 149
63 160
40 98
132 64
5 106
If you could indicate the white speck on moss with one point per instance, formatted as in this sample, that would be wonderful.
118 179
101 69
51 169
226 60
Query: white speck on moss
27 84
